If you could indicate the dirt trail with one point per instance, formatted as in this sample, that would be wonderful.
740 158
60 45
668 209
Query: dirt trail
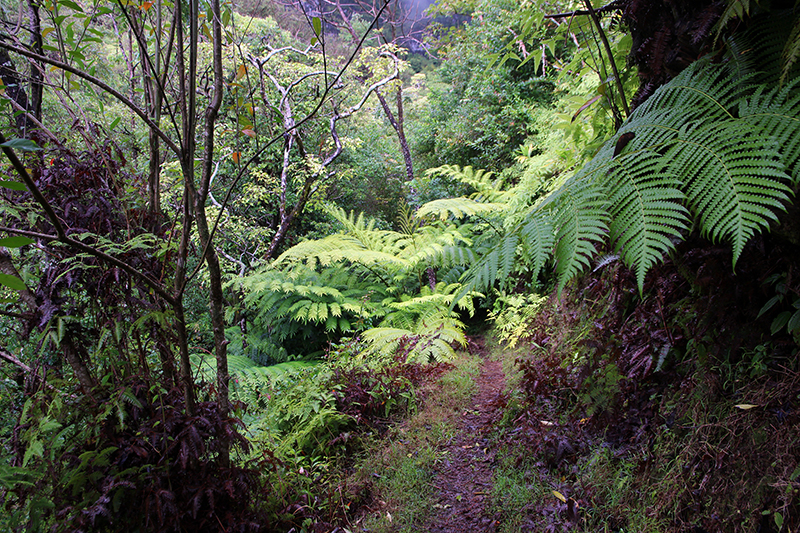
464 479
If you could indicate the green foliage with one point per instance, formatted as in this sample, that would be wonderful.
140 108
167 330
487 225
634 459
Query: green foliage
513 314
362 277
481 112
302 305
708 147
589 105
431 337
790 319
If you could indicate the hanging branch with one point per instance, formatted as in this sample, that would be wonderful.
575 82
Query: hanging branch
607 46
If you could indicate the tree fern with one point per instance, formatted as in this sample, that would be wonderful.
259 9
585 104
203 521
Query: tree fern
711 148
349 281
270 374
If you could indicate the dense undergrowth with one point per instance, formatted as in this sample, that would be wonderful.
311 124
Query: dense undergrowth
676 411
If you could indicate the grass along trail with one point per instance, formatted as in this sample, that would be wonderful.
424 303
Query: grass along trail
433 472
463 480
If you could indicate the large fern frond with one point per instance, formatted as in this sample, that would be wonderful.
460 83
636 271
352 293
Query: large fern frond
711 147
487 189
495 263
701 92
459 208
704 138
432 343
732 179
274 373
646 209
581 220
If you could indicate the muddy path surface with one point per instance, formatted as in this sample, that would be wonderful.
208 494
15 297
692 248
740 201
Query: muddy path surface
463 482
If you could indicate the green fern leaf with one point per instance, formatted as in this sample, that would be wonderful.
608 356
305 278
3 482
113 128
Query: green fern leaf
646 209
733 179
777 114
274 373
701 92
581 222
538 239
459 208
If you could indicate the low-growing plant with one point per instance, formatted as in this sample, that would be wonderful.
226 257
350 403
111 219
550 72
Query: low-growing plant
513 314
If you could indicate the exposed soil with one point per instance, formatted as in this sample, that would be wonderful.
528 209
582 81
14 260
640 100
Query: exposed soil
464 477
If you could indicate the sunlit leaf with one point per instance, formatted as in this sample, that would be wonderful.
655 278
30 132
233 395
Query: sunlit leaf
12 282
745 406
317 23
559 496
13 185
241 72
15 242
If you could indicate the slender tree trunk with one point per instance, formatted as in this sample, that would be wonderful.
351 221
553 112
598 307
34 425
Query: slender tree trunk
37 77
186 156
397 124
187 382
211 258
78 365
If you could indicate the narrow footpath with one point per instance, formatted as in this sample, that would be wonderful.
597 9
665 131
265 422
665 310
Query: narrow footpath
464 478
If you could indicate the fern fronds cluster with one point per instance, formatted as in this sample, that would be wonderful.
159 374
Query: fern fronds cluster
361 277
710 149
422 327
